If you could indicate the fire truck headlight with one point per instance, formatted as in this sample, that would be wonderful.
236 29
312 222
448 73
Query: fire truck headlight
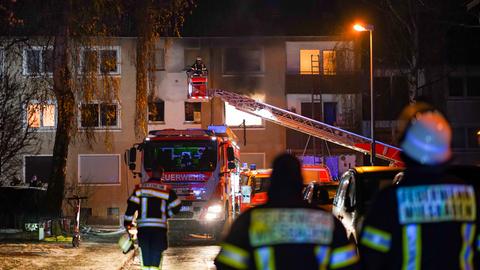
215 209
211 216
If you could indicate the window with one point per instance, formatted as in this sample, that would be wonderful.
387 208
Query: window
329 59
113 211
309 61
99 115
473 137
193 112
458 137
37 60
38 167
455 86
159 55
101 60
242 60
234 118
473 86
41 115
156 111
99 169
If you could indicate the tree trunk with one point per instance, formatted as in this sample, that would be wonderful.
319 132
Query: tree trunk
63 90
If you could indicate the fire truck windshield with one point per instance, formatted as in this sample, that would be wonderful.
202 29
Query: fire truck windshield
181 156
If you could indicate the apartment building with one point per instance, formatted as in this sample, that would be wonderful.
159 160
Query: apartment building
297 73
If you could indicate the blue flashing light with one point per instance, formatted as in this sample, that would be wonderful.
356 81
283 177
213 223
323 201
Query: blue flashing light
218 129
253 166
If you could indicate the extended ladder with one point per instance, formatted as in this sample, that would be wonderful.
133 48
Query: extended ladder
309 126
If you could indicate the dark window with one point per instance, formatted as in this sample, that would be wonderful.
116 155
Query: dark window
159 59
242 60
156 111
330 112
90 61
38 166
86 212
99 115
32 62
473 86
47 57
458 140
108 114
89 115
113 211
193 112
473 137
108 61
455 86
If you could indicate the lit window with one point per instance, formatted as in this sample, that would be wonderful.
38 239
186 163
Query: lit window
234 118
101 60
99 115
156 111
309 61
193 112
37 60
41 115
99 169
329 63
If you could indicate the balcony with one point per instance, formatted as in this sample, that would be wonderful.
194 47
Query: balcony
344 83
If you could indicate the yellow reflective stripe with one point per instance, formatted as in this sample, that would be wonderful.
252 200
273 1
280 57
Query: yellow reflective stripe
466 254
233 256
323 255
376 239
134 199
343 256
154 193
265 258
174 203
412 247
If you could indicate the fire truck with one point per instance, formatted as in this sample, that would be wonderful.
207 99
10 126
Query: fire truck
201 166
254 185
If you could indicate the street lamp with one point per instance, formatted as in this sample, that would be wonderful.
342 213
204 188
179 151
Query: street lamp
369 28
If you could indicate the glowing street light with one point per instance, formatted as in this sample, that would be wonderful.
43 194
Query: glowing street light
369 28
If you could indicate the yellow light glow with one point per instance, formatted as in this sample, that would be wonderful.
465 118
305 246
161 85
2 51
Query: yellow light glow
234 117
359 28
309 61
478 133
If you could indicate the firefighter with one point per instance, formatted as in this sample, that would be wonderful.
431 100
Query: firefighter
430 219
155 203
286 233
198 68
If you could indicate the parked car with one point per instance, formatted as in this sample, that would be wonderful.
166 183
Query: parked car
356 190
320 194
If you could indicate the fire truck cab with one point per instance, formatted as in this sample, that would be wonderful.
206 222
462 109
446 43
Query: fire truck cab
254 185
201 166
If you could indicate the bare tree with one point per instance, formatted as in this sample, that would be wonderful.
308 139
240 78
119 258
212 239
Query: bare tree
17 136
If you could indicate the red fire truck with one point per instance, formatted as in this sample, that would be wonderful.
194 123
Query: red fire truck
254 185
200 165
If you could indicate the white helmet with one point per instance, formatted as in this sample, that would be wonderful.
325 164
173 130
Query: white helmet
427 138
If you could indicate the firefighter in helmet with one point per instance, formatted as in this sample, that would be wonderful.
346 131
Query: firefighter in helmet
198 68
286 233
430 219
155 203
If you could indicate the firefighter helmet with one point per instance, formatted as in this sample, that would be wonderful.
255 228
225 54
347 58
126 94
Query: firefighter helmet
426 136
125 243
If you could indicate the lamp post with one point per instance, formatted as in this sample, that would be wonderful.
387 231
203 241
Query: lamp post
369 28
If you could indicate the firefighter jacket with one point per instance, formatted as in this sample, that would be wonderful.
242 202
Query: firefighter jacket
154 202
285 236
428 221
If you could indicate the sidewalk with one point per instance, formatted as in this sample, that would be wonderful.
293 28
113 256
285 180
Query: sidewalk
94 253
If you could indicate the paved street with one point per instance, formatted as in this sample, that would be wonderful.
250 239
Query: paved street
185 257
